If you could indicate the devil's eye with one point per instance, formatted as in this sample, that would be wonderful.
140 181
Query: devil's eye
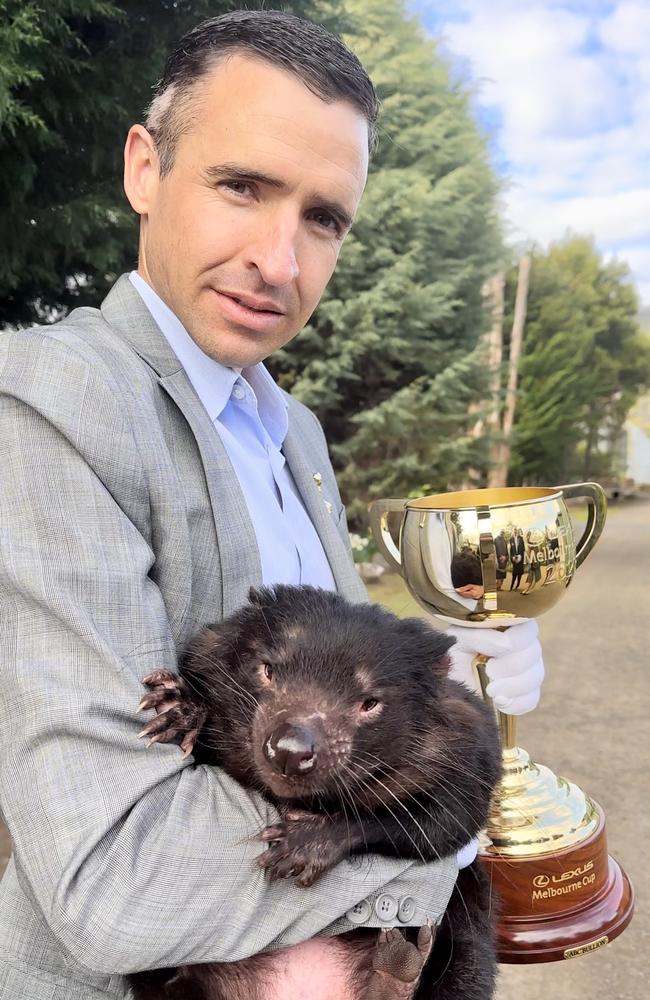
369 704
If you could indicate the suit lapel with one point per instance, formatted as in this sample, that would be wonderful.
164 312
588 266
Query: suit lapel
238 553
323 517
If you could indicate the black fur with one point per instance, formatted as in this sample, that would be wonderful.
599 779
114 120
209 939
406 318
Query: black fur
402 764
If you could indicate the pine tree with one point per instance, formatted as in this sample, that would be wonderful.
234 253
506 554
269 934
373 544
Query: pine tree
389 360
74 75
584 364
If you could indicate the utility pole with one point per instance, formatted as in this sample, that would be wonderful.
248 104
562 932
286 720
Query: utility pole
492 293
498 475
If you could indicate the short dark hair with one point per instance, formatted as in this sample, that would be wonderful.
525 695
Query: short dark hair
466 569
307 50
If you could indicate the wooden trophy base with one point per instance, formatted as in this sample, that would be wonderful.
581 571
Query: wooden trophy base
560 905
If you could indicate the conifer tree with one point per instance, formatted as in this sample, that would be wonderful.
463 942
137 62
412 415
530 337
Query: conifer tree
389 360
584 364
74 75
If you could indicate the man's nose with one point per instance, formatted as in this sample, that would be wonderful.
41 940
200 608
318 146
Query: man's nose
274 254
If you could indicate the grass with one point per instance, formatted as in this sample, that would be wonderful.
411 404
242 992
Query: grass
391 592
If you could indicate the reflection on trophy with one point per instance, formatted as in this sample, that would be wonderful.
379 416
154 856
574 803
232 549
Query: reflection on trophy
493 558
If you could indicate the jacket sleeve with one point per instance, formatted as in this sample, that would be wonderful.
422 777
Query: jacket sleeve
136 858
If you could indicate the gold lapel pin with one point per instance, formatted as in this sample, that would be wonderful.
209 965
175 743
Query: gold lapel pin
318 479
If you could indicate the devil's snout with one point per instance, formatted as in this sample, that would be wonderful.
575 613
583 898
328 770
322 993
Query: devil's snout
292 749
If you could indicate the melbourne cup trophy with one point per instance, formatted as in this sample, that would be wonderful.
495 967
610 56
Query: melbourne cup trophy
493 558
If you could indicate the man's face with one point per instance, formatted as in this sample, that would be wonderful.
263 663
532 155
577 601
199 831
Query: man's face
255 208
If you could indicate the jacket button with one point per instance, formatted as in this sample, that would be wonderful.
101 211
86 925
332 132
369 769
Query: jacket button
406 909
359 913
386 907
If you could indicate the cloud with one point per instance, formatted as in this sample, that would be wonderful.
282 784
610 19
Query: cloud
569 84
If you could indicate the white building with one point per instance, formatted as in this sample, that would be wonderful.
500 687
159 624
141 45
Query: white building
637 428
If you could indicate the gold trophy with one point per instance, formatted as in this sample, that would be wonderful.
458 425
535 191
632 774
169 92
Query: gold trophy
494 558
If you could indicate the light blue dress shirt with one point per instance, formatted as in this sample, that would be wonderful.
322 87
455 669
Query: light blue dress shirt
249 412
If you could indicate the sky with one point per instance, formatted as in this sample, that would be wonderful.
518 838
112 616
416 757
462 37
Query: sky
563 88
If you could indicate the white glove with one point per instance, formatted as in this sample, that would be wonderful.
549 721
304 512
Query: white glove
467 853
515 667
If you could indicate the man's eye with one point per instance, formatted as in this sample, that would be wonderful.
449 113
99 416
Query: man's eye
327 221
238 187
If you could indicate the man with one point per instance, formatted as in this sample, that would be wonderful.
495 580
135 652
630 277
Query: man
152 473
517 554
501 551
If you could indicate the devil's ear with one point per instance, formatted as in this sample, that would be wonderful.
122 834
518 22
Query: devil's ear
259 595
440 658
442 666
206 653
206 642
429 644
444 642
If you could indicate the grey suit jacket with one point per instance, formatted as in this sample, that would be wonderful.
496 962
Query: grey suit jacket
123 531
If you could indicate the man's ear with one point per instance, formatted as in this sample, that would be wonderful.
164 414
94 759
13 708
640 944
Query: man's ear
141 169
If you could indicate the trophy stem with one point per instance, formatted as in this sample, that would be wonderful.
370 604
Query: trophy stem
507 723
508 730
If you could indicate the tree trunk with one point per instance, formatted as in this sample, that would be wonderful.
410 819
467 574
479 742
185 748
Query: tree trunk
493 296
592 436
495 358
499 473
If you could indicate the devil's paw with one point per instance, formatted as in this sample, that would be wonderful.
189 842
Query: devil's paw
178 717
304 847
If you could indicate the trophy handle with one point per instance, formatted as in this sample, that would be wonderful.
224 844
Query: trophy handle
379 511
596 513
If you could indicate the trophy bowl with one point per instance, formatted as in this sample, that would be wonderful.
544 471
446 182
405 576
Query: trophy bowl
491 558
506 543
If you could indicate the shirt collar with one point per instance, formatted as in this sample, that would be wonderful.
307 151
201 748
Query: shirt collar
212 381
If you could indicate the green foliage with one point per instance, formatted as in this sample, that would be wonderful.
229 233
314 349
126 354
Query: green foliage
390 361
363 546
74 75
584 364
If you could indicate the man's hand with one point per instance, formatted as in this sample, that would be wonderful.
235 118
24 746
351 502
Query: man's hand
515 667
473 590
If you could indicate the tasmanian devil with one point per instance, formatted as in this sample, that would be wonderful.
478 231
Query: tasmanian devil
344 717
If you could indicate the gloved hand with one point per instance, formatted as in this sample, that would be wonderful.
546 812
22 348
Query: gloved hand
515 667
467 853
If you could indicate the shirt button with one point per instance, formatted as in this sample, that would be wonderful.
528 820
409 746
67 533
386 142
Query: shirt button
360 913
386 907
238 392
406 909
